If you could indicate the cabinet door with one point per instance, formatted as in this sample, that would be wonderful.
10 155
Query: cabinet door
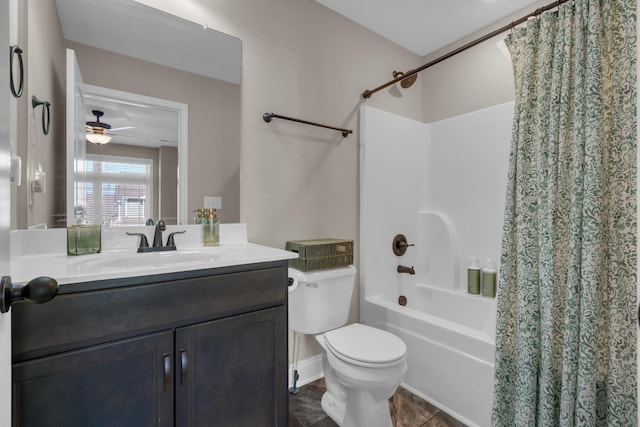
125 383
233 372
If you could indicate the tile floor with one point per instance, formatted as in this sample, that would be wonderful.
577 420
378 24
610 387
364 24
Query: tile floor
407 410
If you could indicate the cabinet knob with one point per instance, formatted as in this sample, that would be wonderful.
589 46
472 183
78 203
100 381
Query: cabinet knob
38 290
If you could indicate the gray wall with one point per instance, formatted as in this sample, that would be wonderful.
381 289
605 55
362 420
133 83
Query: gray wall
477 78
40 37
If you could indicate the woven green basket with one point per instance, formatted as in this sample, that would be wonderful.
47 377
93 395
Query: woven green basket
318 254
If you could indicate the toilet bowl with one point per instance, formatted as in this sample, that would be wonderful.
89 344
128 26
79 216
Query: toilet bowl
363 366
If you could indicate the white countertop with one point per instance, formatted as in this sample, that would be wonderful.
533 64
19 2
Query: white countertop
117 262
128 263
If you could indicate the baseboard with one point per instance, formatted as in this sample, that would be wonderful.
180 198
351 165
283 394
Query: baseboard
309 370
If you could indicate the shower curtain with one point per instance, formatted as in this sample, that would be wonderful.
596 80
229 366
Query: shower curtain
566 327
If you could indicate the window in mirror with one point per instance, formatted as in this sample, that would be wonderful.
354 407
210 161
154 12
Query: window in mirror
119 190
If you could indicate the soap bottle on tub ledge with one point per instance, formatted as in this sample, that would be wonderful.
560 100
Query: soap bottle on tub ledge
489 279
211 228
473 277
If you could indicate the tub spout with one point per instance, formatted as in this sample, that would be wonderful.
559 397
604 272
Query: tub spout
403 269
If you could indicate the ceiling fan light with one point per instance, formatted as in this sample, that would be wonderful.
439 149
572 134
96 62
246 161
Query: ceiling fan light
96 132
97 138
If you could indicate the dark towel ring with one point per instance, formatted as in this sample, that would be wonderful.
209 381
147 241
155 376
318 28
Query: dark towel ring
16 51
46 113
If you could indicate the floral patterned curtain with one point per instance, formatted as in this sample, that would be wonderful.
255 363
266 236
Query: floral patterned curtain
566 326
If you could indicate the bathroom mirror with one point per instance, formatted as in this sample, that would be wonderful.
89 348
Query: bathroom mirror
136 175
130 48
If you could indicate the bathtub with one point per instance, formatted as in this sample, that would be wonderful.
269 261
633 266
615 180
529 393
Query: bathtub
450 339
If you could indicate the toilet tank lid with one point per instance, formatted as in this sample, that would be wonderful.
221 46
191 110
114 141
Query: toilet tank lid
316 275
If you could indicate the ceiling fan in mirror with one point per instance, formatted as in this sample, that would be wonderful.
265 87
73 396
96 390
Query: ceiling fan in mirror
100 133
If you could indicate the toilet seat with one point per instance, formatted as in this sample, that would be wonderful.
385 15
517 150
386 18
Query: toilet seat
365 346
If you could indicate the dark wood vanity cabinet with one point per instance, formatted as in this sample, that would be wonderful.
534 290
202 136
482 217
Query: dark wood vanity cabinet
202 348
115 384
229 376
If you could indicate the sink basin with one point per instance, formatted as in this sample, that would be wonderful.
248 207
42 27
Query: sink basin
158 259
143 261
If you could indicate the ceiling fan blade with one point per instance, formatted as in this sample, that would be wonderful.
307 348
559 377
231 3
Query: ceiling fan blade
123 128
129 137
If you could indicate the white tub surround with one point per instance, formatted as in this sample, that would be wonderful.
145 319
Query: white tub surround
43 253
442 185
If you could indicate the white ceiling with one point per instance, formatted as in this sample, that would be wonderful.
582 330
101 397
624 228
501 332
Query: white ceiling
424 26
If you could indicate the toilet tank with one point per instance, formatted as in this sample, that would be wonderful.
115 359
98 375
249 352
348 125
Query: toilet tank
320 300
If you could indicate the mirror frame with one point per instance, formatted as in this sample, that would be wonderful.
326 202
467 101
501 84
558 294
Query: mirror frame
98 92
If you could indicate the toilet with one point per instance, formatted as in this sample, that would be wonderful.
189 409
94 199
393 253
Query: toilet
363 366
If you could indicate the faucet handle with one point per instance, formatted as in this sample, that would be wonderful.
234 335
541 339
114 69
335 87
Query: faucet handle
170 240
400 244
144 243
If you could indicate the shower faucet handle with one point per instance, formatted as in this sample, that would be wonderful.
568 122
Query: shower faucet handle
400 244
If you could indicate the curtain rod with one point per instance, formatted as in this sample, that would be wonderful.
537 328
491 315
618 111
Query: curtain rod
367 93
268 116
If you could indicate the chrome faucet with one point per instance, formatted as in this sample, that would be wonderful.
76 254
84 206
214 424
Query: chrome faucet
157 236
403 269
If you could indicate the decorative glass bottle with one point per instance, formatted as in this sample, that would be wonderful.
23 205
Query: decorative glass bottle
211 228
